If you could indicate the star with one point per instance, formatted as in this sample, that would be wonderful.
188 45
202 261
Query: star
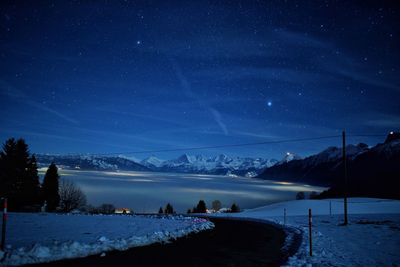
269 103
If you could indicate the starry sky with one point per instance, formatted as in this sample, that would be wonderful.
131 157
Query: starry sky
118 76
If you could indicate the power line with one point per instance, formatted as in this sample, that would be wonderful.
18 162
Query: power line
224 146
238 145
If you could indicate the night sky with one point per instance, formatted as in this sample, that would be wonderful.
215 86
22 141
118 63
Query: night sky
111 77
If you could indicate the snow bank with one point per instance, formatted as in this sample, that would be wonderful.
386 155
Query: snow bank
34 237
372 237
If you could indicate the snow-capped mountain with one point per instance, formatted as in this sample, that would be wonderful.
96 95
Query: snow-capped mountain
152 162
221 164
90 162
289 157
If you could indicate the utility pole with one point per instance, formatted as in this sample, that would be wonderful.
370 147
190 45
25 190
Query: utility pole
3 227
345 177
310 230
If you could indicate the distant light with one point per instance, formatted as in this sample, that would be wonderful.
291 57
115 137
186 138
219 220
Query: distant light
138 42
391 132
269 104
288 153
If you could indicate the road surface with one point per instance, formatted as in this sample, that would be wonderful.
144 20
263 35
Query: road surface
231 243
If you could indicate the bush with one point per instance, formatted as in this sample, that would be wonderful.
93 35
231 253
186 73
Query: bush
106 209
300 195
216 205
313 195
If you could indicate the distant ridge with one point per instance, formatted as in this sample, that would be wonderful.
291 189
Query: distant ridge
372 171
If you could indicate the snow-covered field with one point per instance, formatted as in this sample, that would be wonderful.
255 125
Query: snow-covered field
372 237
43 237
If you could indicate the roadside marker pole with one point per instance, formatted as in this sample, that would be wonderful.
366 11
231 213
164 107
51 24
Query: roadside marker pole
330 208
3 228
345 176
310 229
284 216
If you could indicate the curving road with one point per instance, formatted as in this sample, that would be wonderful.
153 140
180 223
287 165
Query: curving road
231 243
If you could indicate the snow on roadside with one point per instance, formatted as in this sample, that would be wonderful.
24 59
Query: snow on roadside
44 237
372 237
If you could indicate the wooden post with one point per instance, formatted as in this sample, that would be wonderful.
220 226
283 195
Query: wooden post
284 216
330 208
310 230
345 177
3 227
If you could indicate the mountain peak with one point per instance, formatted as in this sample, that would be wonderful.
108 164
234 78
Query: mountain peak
392 136
289 157
185 158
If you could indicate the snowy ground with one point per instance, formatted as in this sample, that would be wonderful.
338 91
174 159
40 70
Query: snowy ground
371 239
43 237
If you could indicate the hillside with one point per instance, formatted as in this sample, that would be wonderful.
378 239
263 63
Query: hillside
372 171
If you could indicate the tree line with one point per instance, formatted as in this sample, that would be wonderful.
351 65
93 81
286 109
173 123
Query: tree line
19 182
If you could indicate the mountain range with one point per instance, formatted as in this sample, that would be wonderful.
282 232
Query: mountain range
371 171
221 164
90 162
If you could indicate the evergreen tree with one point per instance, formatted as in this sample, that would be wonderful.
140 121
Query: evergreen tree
50 188
8 168
189 211
19 179
201 207
160 211
169 209
235 208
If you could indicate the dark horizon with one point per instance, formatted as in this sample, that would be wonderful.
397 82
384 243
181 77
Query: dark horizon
107 77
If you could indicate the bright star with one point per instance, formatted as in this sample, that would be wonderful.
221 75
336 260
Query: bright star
269 104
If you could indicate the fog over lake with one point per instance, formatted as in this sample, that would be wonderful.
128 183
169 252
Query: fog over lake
147 191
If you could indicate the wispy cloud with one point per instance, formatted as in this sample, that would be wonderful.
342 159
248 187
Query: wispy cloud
218 119
186 87
383 120
18 95
61 137
303 39
369 80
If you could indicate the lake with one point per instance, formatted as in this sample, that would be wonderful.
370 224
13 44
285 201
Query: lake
148 191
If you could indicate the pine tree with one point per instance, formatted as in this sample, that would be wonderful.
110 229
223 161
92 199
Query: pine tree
18 175
169 209
8 169
235 208
50 188
201 207
160 211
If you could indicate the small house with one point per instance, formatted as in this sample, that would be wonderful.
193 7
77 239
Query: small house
122 211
